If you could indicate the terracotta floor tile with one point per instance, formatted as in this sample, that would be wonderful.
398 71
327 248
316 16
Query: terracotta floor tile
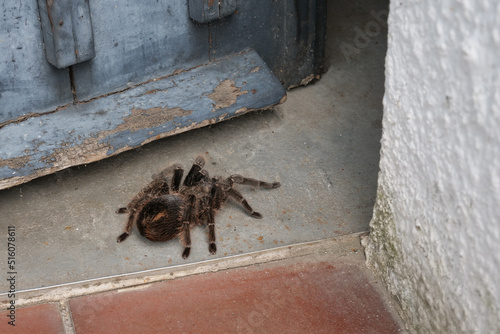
43 318
298 298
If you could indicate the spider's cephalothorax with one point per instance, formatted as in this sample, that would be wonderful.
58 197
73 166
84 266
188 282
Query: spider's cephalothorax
165 209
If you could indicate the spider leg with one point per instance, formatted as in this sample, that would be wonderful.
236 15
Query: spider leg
193 172
239 197
122 210
202 175
185 234
212 248
177 177
158 187
253 182
187 240
154 189
160 181
128 228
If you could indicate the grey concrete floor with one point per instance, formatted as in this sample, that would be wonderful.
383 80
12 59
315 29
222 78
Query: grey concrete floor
322 144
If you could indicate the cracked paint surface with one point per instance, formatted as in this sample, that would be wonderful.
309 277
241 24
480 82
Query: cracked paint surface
93 130
225 94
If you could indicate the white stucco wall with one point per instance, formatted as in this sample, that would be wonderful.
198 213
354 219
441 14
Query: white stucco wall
435 233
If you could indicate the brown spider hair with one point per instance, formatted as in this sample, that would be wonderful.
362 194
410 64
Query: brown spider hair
165 209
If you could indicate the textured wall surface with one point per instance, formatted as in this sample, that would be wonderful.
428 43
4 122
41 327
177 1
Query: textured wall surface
435 233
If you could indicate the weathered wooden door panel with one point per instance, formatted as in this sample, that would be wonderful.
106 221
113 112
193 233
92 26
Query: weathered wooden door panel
28 83
136 41
151 71
287 34
89 131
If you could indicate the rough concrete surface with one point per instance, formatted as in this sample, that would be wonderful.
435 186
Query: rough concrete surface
322 144
312 294
344 296
435 236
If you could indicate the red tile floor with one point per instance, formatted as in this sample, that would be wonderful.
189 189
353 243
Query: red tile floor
43 318
303 295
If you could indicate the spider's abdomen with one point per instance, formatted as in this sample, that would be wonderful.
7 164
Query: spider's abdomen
161 218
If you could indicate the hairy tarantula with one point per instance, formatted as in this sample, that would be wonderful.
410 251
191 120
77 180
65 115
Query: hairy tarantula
165 209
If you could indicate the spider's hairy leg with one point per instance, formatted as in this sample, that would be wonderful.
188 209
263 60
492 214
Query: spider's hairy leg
185 236
253 182
202 175
185 239
214 203
212 247
193 172
122 237
173 173
177 177
157 187
128 228
239 197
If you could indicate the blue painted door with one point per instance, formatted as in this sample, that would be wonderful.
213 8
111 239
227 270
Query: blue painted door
28 83
83 80
137 41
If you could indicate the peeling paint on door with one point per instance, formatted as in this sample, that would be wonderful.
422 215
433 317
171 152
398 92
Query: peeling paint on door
142 118
225 94
89 131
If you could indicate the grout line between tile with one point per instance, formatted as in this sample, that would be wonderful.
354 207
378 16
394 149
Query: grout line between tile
61 293
67 320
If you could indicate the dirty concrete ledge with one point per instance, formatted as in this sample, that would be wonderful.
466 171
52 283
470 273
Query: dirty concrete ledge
343 248
356 302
